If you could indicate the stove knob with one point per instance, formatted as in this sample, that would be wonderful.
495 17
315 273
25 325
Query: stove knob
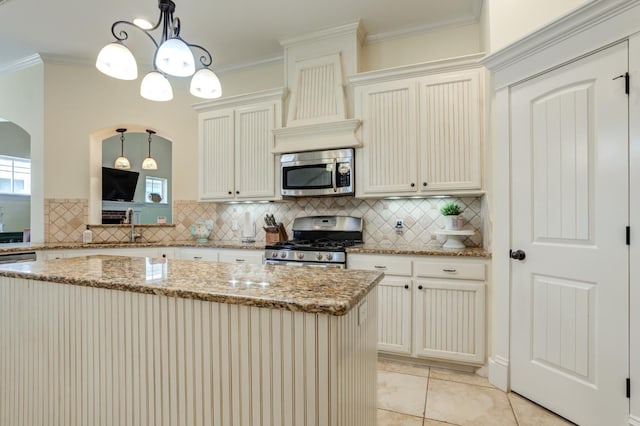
300 255
319 256
283 254
274 253
329 256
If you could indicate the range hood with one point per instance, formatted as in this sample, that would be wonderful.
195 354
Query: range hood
318 113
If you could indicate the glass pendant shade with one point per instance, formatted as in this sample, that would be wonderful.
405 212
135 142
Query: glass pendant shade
206 84
149 164
174 57
116 61
156 87
122 163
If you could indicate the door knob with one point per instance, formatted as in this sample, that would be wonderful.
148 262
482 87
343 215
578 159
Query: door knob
517 254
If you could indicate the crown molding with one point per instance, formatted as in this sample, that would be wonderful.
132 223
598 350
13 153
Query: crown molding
20 64
417 70
408 32
345 29
580 20
238 100
246 65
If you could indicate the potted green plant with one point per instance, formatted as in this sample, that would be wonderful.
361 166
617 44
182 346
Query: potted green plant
452 219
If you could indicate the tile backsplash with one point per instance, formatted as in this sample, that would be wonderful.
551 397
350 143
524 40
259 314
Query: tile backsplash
65 219
421 218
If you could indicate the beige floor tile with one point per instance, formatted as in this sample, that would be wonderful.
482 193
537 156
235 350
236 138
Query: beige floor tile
530 414
465 404
402 393
391 418
403 367
459 376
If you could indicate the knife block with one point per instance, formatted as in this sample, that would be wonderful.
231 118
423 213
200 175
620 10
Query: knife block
273 234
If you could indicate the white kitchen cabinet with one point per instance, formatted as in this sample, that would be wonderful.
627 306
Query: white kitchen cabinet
394 300
421 130
387 162
250 257
117 251
432 308
449 311
235 148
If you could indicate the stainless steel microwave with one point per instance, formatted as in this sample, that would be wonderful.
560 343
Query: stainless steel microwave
317 173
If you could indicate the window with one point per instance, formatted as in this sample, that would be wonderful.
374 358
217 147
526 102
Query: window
156 190
15 175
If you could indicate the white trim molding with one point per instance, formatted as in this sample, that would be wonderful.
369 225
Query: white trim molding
336 134
593 26
21 64
499 373
240 100
634 420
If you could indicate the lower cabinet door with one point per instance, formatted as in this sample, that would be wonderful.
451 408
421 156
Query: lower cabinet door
394 315
450 320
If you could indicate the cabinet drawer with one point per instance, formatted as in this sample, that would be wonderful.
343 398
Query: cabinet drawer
199 254
388 265
242 256
463 271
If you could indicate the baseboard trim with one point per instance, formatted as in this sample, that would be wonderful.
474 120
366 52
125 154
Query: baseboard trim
499 373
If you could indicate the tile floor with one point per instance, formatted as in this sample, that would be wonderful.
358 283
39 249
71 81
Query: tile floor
410 395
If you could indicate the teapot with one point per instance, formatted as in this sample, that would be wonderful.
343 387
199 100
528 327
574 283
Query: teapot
201 230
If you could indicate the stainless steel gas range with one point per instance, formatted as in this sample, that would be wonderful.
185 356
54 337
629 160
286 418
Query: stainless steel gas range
319 241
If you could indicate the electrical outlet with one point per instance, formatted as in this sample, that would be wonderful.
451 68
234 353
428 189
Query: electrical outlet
399 223
234 225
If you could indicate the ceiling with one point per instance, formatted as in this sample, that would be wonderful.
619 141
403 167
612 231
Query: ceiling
236 32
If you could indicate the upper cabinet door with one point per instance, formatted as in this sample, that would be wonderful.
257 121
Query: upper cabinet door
216 162
450 118
255 164
387 162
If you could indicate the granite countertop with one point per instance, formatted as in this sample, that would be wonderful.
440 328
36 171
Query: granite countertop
323 291
258 245
419 251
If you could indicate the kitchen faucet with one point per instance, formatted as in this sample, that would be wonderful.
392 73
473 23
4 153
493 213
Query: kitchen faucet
129 219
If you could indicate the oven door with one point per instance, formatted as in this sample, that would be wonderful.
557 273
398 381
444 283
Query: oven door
308 264
317 173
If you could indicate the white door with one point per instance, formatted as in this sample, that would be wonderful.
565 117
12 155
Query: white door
569 313
394 315
216 156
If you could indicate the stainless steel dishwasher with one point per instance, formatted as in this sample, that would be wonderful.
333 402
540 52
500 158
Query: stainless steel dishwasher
15 257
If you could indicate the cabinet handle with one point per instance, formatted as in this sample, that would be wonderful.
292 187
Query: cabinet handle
449 270
406 286
197 257
379 267
240 260
419 287
413 184
424 183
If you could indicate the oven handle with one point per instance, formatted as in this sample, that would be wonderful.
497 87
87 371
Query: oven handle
334 175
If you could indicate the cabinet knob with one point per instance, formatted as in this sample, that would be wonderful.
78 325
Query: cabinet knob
413 184
424 183
230 192
406 286
419 287
237 192
164 255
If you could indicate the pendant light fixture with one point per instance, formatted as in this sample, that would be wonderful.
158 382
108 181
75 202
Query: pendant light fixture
149 163
172 56
122 162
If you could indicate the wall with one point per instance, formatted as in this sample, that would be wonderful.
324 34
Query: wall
14 141
510 20
426 46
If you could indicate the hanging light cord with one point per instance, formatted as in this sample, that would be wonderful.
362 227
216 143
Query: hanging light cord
151 132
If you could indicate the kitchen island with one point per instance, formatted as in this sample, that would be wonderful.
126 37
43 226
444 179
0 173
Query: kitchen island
130 340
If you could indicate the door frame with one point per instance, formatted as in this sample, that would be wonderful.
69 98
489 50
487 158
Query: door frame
590 28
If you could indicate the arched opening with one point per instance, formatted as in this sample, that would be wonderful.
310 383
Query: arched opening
15 183
105 147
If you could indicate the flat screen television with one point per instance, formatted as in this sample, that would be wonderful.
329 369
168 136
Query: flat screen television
118 185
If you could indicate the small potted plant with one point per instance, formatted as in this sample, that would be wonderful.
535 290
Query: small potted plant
452 219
